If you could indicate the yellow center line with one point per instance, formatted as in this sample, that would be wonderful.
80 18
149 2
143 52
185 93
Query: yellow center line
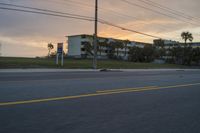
94 94
112 90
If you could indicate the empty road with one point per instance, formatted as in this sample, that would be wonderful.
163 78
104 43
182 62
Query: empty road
100 102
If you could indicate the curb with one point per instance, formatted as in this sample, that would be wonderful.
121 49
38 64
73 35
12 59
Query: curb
90 70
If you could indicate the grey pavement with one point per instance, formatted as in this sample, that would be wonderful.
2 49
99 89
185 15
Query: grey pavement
84 70
170 110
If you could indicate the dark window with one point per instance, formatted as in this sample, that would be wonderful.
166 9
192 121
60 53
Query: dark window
84 43
82 49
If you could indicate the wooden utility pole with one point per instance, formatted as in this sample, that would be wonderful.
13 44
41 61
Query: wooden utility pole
95 35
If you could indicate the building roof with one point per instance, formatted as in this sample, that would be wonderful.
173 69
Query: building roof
109 38
78 35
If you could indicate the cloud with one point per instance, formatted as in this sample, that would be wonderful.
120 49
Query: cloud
22 32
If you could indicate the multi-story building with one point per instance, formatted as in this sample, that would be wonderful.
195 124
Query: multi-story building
80 46
170 44
194 44
165 43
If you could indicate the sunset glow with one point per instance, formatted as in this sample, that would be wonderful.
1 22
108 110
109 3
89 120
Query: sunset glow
27 34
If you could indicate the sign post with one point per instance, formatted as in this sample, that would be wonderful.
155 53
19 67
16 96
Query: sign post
59 52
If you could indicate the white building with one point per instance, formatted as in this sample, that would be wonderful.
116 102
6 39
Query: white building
165 43
170 44
77 47
194 44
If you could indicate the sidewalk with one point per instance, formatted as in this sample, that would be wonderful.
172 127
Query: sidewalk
87 70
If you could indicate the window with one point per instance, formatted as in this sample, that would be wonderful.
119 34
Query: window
82 43
82 49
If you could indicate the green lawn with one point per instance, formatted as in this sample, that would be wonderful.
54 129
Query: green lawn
12 62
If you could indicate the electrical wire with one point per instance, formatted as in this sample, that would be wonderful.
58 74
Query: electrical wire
110 11
46 13
158 12
79 18
178 12
46 10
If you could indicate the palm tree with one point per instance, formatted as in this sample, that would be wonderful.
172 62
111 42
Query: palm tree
50 47
187 36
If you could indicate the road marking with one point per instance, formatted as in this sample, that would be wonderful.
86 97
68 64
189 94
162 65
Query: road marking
94 94
112 90
149 88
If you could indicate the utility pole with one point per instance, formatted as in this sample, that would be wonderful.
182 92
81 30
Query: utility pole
95 35
0 48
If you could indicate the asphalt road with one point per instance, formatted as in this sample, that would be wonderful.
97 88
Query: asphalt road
100 102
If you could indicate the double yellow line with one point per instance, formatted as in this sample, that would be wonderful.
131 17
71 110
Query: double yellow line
98 93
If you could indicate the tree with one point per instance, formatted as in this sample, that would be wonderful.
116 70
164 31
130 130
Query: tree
159 43
148 52
159 52
177 54
50 47
196 55
102 44
126 42
136 54
117 44
111 49
88 48
186 36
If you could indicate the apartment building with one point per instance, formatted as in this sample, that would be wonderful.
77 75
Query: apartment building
78 46
165 43
170 44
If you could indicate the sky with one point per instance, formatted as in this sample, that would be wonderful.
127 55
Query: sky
27 34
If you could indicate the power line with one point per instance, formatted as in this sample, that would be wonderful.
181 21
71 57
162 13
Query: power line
164 8
107 11
79 18
100 8
46 10
45 13
155 11
102 21
126 29
178 12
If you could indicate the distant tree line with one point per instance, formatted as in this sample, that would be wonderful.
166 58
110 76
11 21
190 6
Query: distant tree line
176 55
